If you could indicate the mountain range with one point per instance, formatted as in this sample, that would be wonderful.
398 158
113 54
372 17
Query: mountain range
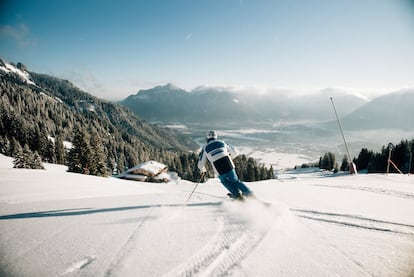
217 106
390 111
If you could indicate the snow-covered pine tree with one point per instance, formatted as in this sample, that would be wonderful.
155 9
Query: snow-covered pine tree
36 161
25 158
19 158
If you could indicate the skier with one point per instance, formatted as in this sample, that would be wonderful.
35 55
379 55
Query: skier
221 155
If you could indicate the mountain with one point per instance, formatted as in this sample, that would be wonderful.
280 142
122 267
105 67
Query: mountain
18 72
159 102
212 105
36 109
391 111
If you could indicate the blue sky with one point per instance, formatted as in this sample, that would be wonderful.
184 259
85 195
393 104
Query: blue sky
114 48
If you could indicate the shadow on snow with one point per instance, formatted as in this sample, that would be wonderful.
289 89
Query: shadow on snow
86 211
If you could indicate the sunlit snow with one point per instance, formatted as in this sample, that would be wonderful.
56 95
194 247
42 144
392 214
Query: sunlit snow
54 223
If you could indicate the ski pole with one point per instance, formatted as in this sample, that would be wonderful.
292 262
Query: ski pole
195 187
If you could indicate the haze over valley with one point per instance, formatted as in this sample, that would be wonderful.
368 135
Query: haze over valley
281 121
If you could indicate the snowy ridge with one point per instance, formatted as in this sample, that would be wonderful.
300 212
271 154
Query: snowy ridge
21 74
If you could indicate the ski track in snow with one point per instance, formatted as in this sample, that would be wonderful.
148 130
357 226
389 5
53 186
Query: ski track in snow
362 271
44 241
356 221
234 240
127 248
384 191
79 265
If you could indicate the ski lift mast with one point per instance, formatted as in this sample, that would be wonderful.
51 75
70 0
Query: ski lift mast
352 167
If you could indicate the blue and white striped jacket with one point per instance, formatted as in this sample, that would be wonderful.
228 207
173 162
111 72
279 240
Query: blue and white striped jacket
219 154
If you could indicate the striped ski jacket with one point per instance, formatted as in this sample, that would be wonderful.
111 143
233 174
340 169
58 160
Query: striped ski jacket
219 154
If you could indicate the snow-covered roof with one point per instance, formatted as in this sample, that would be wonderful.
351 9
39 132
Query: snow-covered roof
152 168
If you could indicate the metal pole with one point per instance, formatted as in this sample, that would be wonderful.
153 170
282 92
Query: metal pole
389 159
409 164
390 148
396 167
343 137
195 187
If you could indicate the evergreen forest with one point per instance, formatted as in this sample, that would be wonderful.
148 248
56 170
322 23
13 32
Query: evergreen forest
400 157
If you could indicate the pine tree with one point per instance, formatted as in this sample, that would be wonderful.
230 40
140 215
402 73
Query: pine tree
262 173
36 161
131 157
49 154
5 146
345 163
364 158
60 152
327 162
332 161
80 155
251 170
178 167
15 147
271 174
121 162
401 155
20 160
39 142
25 158
98 162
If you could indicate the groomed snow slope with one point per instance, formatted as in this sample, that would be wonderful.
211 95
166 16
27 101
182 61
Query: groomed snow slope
54 223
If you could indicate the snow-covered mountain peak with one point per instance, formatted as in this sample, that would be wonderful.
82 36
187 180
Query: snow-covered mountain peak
19 71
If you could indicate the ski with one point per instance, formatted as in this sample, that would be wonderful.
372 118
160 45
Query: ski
242 199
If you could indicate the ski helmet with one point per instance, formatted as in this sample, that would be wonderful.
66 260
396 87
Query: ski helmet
212 134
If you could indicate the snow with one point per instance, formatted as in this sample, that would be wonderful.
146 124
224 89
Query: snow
22 74
55 223
279 161
151 167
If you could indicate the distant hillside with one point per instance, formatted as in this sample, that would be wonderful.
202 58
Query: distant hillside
391 111
36 109
211 105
